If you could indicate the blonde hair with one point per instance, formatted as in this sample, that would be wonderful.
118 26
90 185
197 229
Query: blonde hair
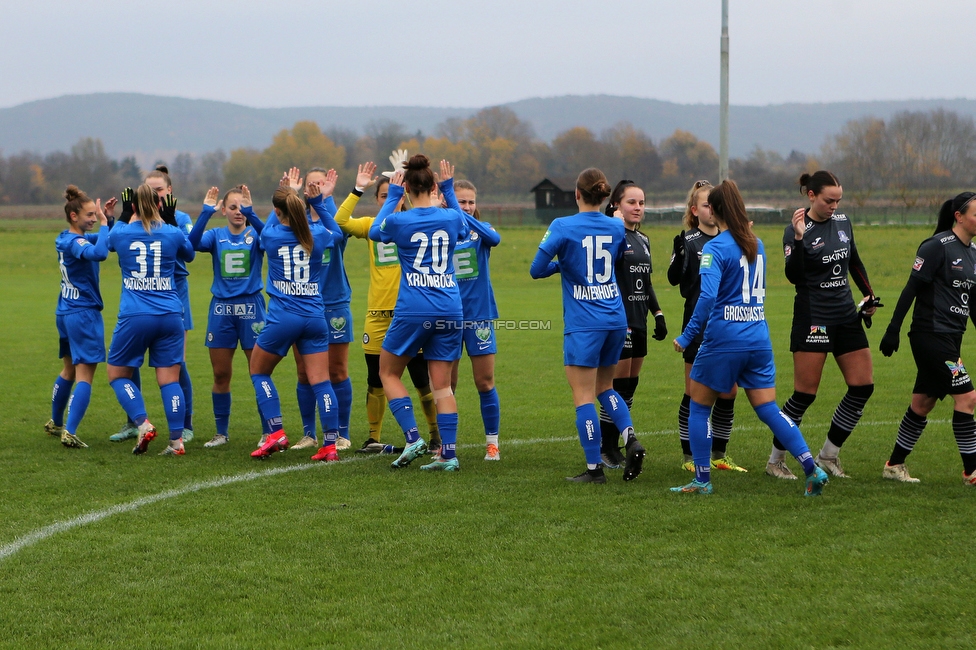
690 219
293 215
147 207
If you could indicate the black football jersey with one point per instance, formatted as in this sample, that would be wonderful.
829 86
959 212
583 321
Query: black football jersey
633 271
948 269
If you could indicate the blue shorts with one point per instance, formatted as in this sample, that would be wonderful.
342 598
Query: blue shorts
235 319
82 336
407 338
479 338
284 329
720 370
183 291
596 349
162 335
339 320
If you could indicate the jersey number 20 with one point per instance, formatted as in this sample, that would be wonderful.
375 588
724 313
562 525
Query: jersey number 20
438 252
757 288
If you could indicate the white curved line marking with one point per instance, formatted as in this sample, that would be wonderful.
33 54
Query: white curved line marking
97 515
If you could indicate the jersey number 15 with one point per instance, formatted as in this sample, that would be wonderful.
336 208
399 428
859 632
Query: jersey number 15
594 247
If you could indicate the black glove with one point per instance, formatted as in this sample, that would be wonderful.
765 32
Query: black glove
679 245
168 213
660 327
889 342
868 303
128 206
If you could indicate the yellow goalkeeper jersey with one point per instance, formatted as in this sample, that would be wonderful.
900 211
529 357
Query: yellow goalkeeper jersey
384 265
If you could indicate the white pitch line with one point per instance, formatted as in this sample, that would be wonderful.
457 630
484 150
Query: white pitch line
51 530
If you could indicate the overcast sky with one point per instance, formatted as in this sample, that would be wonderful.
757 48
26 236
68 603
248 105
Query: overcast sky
472 54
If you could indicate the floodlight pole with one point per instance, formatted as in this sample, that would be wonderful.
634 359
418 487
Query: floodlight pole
723 127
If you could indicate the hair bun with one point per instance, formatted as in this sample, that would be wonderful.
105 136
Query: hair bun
417 162
162 168
72 192
804 179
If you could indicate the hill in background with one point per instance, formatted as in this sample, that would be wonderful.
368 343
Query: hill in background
150 127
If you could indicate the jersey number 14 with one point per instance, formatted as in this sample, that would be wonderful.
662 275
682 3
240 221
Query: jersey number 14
757 288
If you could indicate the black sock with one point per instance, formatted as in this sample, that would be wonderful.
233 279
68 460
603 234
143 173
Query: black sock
848 413
794 408
683 410
909 431
964 429
723 415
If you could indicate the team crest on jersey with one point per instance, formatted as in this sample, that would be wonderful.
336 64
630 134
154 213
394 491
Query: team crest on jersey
957 264
483 333
474 236
365 337
787 250
249 240
82 241
706 261
843 236
257 327
338 323
918 264
817 243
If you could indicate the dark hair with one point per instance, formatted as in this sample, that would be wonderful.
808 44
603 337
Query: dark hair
729 208
234 190
461 184
947 213
817 181
593 186
75 199
380 182
616 195
418 174
162 172
293 215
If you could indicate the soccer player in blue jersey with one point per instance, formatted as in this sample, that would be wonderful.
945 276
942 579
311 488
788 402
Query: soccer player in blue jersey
471 257
336 295
79 311
736 348
595 325
296 316
150 317
237 308
428 311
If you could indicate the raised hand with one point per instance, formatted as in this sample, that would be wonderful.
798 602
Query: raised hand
128 205
799 224
295 179
312 190
102 219
447 171
168 211
397 178
328 187
397 158
109 207
365 176
284 181
245 197
211 198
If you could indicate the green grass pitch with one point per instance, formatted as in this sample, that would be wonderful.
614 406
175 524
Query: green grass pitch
99 548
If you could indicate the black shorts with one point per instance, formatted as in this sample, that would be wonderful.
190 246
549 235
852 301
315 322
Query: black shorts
691 352
839 339
940 368
635 345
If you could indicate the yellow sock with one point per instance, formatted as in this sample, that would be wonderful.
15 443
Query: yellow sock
375 408
430 412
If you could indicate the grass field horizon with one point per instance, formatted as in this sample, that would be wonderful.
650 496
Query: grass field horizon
100 548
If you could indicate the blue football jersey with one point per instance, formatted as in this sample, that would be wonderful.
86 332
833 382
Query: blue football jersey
471 258
335 283
425 240
588 244
237 260
295 275
78 258
148 263
185 224
733 291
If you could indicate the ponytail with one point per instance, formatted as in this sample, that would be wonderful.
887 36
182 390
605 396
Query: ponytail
947 213
147 207
293 215
729 208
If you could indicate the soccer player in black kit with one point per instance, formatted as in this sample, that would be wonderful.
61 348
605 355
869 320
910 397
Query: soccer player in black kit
941 282
633 273
700 228
820 254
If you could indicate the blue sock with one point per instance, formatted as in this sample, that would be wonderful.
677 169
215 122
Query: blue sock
306 407
787 433
588 426
130 397
447 424
269 405
187 388
137 382
174 407
221 408
78 405
491 413
325 397
402 409
59 400
265 429
343 393
615 406
700 437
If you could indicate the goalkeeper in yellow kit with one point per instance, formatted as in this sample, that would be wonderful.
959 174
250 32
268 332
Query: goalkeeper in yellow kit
384 285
